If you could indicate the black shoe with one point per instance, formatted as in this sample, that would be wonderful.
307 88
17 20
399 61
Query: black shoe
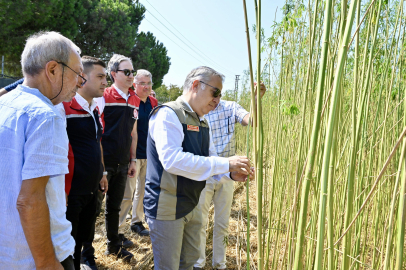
120 253
125 242
89 263
139 229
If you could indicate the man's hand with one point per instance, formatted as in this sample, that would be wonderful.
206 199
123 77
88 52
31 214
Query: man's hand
263 89
240 164
242 177
55 266
104 185
132 169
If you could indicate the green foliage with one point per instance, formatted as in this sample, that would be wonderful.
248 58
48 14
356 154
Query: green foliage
150 54
165 93
99 27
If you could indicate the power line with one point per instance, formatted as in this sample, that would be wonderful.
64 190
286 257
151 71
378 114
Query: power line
172 40
186 38
207 58
177 37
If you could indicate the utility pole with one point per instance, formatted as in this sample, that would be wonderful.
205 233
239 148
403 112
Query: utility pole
2 66
237 78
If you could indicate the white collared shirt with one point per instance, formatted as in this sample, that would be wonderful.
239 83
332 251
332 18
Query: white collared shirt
101 102
121 92
85 105
167 132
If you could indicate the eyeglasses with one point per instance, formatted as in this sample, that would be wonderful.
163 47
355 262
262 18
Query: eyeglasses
127 72
83 79
216 93
145 84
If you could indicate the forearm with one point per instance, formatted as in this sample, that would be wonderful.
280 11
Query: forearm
102 158
3 91
195 167
34 216
133 150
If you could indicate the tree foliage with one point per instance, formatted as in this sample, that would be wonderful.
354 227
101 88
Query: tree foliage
148 53
99 27
168 93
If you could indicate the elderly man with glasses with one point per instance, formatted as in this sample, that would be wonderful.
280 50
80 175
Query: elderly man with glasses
134 190
119 113
35 233
180 157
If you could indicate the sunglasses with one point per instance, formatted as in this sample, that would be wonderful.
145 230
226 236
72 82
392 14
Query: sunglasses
216 93
83 79
127 72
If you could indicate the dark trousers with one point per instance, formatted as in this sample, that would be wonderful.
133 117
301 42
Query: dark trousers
117 178
81 212
68 264
88 249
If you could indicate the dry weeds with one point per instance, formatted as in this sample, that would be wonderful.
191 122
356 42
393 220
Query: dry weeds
236 251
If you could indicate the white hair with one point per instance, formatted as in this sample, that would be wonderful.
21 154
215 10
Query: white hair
43 47
200 73
142 73
114 62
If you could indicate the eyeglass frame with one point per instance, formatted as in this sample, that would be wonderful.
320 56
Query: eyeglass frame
134 72
143 84
217 93
84 80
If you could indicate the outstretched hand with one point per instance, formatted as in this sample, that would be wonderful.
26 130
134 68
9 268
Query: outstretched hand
240 164
242 177
262 89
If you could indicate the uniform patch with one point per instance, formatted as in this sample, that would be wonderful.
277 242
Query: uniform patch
193 128
135 114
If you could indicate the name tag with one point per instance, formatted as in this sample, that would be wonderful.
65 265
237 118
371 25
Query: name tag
193 128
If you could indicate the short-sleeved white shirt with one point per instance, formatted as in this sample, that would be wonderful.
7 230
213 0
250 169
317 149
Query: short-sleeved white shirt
33 143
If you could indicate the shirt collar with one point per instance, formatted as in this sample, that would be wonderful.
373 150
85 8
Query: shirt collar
121 92
35 92
84 104
187 103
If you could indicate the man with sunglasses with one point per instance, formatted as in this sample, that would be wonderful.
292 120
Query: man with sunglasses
180 157
134 190
35 233
222 121
119 113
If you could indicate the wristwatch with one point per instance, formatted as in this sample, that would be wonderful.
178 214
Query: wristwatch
105 173
134 159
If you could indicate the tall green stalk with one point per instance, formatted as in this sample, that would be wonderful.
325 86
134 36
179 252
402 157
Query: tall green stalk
314 140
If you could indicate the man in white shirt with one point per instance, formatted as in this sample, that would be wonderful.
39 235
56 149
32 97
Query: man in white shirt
180 157
34 231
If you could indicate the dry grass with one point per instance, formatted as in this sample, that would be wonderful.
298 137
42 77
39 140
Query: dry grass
142 250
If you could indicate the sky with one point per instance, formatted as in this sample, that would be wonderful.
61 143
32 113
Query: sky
206 32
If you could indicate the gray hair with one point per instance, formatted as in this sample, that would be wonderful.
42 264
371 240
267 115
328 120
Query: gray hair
43 47
143 73
115 62
200 73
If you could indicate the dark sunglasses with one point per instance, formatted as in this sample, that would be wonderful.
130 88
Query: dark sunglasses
216 93
127 72
83 79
